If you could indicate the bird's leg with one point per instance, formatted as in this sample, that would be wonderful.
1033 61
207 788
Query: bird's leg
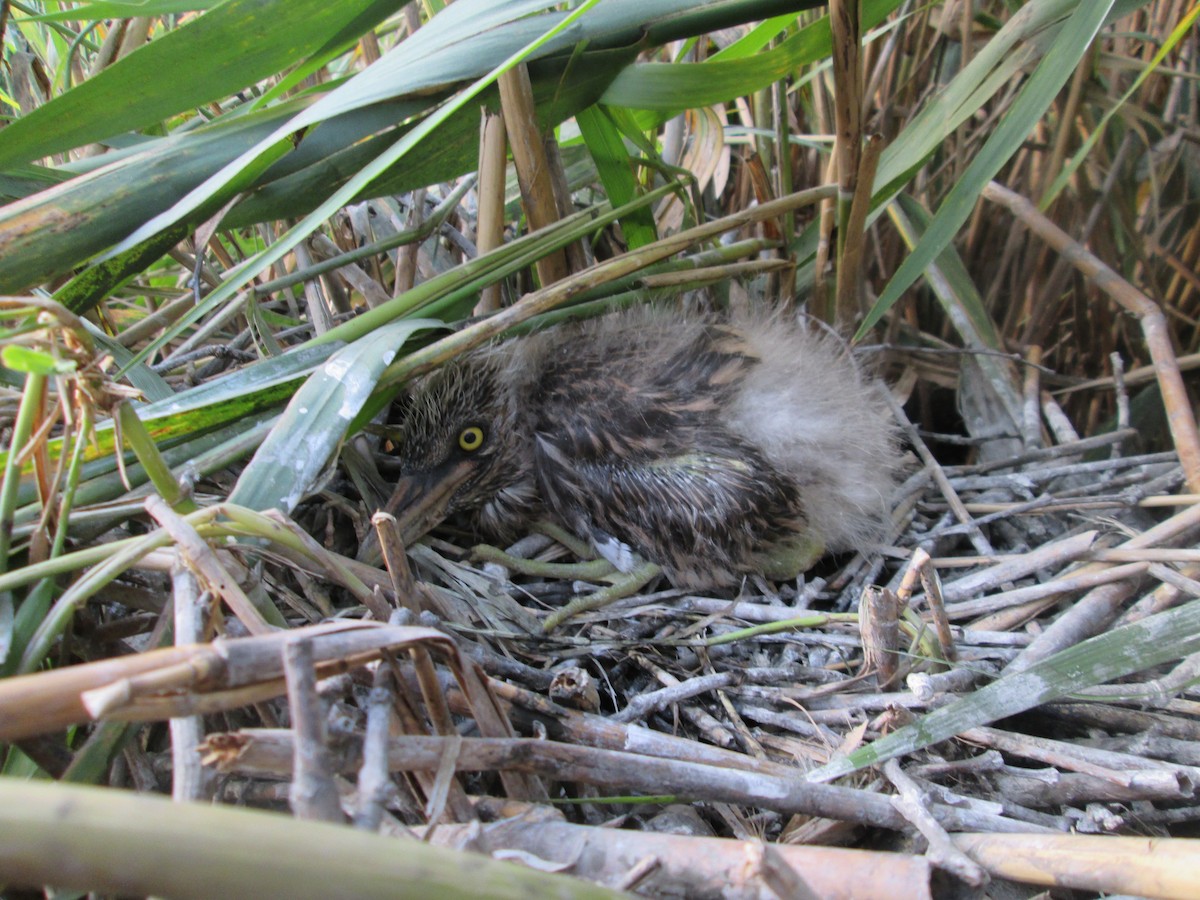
580 548
588 569
627 585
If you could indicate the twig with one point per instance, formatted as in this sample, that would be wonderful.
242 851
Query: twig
374 783
203 559
939 476
268 751
943 852
190 780
313 793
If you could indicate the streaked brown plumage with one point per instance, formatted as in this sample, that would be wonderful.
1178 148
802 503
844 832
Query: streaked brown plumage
714 447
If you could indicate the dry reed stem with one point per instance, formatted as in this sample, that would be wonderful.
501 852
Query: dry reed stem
697 866
312 793
910 800
849 274
1181 420
489 226
1144 866
532 165
178 681
189 780
268 752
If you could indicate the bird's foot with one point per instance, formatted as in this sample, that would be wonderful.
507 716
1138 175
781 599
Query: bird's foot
626 572
617 552
626 585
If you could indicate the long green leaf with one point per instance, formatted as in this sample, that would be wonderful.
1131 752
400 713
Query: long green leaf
50 232
236 396
234 45
237 277
113 9
1177 34
669 87
95 211
1133 648
307 435
1052 72
615 169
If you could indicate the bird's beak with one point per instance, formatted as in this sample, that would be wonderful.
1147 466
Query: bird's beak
420 500
419 503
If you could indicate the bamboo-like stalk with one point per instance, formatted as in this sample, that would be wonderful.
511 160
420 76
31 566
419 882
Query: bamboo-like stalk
845 21
489 226
128 844
533 170
1145 866
849 271
201 678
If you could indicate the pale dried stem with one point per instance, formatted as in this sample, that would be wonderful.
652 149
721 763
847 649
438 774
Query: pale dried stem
202 559
1031 424
913 805
687 865
269 751
200 678
978 540
937 610
1120 865
1125 769
189 779
375 786
313 793
1180 418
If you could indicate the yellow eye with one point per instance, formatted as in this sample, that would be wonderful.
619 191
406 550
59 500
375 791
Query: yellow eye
471 438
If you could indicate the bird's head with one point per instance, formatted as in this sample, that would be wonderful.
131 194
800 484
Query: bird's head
463 447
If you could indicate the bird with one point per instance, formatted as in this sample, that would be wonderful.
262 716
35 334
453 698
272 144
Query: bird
716 445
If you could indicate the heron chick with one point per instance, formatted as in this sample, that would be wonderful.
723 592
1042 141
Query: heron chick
716 446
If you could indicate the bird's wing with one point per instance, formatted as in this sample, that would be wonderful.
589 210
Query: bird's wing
630 450
703 513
